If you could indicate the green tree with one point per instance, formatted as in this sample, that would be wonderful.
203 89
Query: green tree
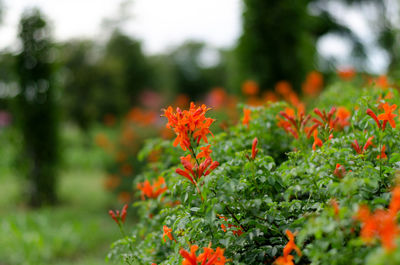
124 59
280 36
275 44
37 109
191 72
80 73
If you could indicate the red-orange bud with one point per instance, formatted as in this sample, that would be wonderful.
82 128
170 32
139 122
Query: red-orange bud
254 149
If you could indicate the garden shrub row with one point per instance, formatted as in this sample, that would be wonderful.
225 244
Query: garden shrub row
281 187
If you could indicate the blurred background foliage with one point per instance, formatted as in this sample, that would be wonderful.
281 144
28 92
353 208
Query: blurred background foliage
62 100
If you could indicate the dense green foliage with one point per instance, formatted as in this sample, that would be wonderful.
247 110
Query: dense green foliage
37 109
276 43
287 186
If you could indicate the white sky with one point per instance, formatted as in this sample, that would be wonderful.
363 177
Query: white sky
164 23
159 23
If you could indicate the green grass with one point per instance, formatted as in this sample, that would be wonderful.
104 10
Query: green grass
76 231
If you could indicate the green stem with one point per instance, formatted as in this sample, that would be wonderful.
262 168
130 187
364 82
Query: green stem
121 229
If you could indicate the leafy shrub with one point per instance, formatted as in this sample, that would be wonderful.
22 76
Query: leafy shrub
285 180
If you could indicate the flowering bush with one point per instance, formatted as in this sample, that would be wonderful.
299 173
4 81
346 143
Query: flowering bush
320 182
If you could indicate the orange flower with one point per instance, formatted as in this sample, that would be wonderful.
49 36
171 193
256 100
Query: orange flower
270 96
326 119
368 143
394 205
182 101
142 117
357 147
211 257
290 245
254 149
167 233
339 171
189 123
250 88
382 82
294 124
205 152
382 223
335 206
208 257
194 172
246 117
152 191
189 259
317 141
284 260
346 74
117 217
238 232
313 84
217 97
287 259
373 116
283 88
254 101
383 154
388 115
343 116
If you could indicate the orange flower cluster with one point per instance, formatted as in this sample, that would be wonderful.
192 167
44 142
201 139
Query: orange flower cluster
343 118
313 84
339 171
357 147
381 81
254 149
346 74
335 206
189 124
217 97
246 117
386 117
141 117
381 223
317 141
285 90
326 119
238 232
117 216
295 124
287 259
167 233
250 88
152 191
194 171
382 154
208 257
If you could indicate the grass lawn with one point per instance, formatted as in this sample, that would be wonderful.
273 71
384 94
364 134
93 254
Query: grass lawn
77 231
